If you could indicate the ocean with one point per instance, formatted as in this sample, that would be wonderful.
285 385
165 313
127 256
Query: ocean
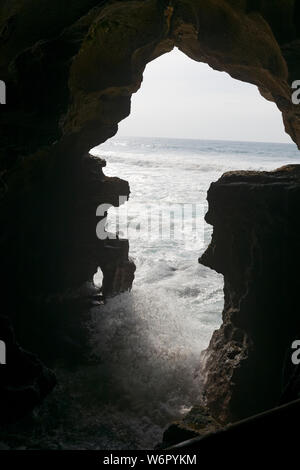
150 339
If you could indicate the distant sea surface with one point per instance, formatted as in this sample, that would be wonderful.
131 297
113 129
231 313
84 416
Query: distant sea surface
148 341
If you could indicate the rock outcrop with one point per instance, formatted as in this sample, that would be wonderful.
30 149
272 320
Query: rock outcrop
255 246
196 423
61 255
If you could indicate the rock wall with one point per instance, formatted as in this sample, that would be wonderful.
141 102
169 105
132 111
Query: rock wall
70 73
254 245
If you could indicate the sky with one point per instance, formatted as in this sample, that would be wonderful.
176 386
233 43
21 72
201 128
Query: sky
186 99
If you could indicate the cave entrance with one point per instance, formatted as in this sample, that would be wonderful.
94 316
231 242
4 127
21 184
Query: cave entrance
154 335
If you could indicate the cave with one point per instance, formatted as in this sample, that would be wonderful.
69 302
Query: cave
69 79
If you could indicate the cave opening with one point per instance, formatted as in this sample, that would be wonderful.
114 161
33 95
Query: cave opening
155 334
64 289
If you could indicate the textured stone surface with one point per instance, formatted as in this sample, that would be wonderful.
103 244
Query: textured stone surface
197 423
255 246
81 64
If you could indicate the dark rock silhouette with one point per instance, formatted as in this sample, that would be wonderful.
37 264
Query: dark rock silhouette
24 380
254 245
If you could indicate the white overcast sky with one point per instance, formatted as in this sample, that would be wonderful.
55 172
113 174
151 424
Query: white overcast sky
186 99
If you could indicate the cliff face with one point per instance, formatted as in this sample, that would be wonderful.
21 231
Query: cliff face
254 245
70 73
